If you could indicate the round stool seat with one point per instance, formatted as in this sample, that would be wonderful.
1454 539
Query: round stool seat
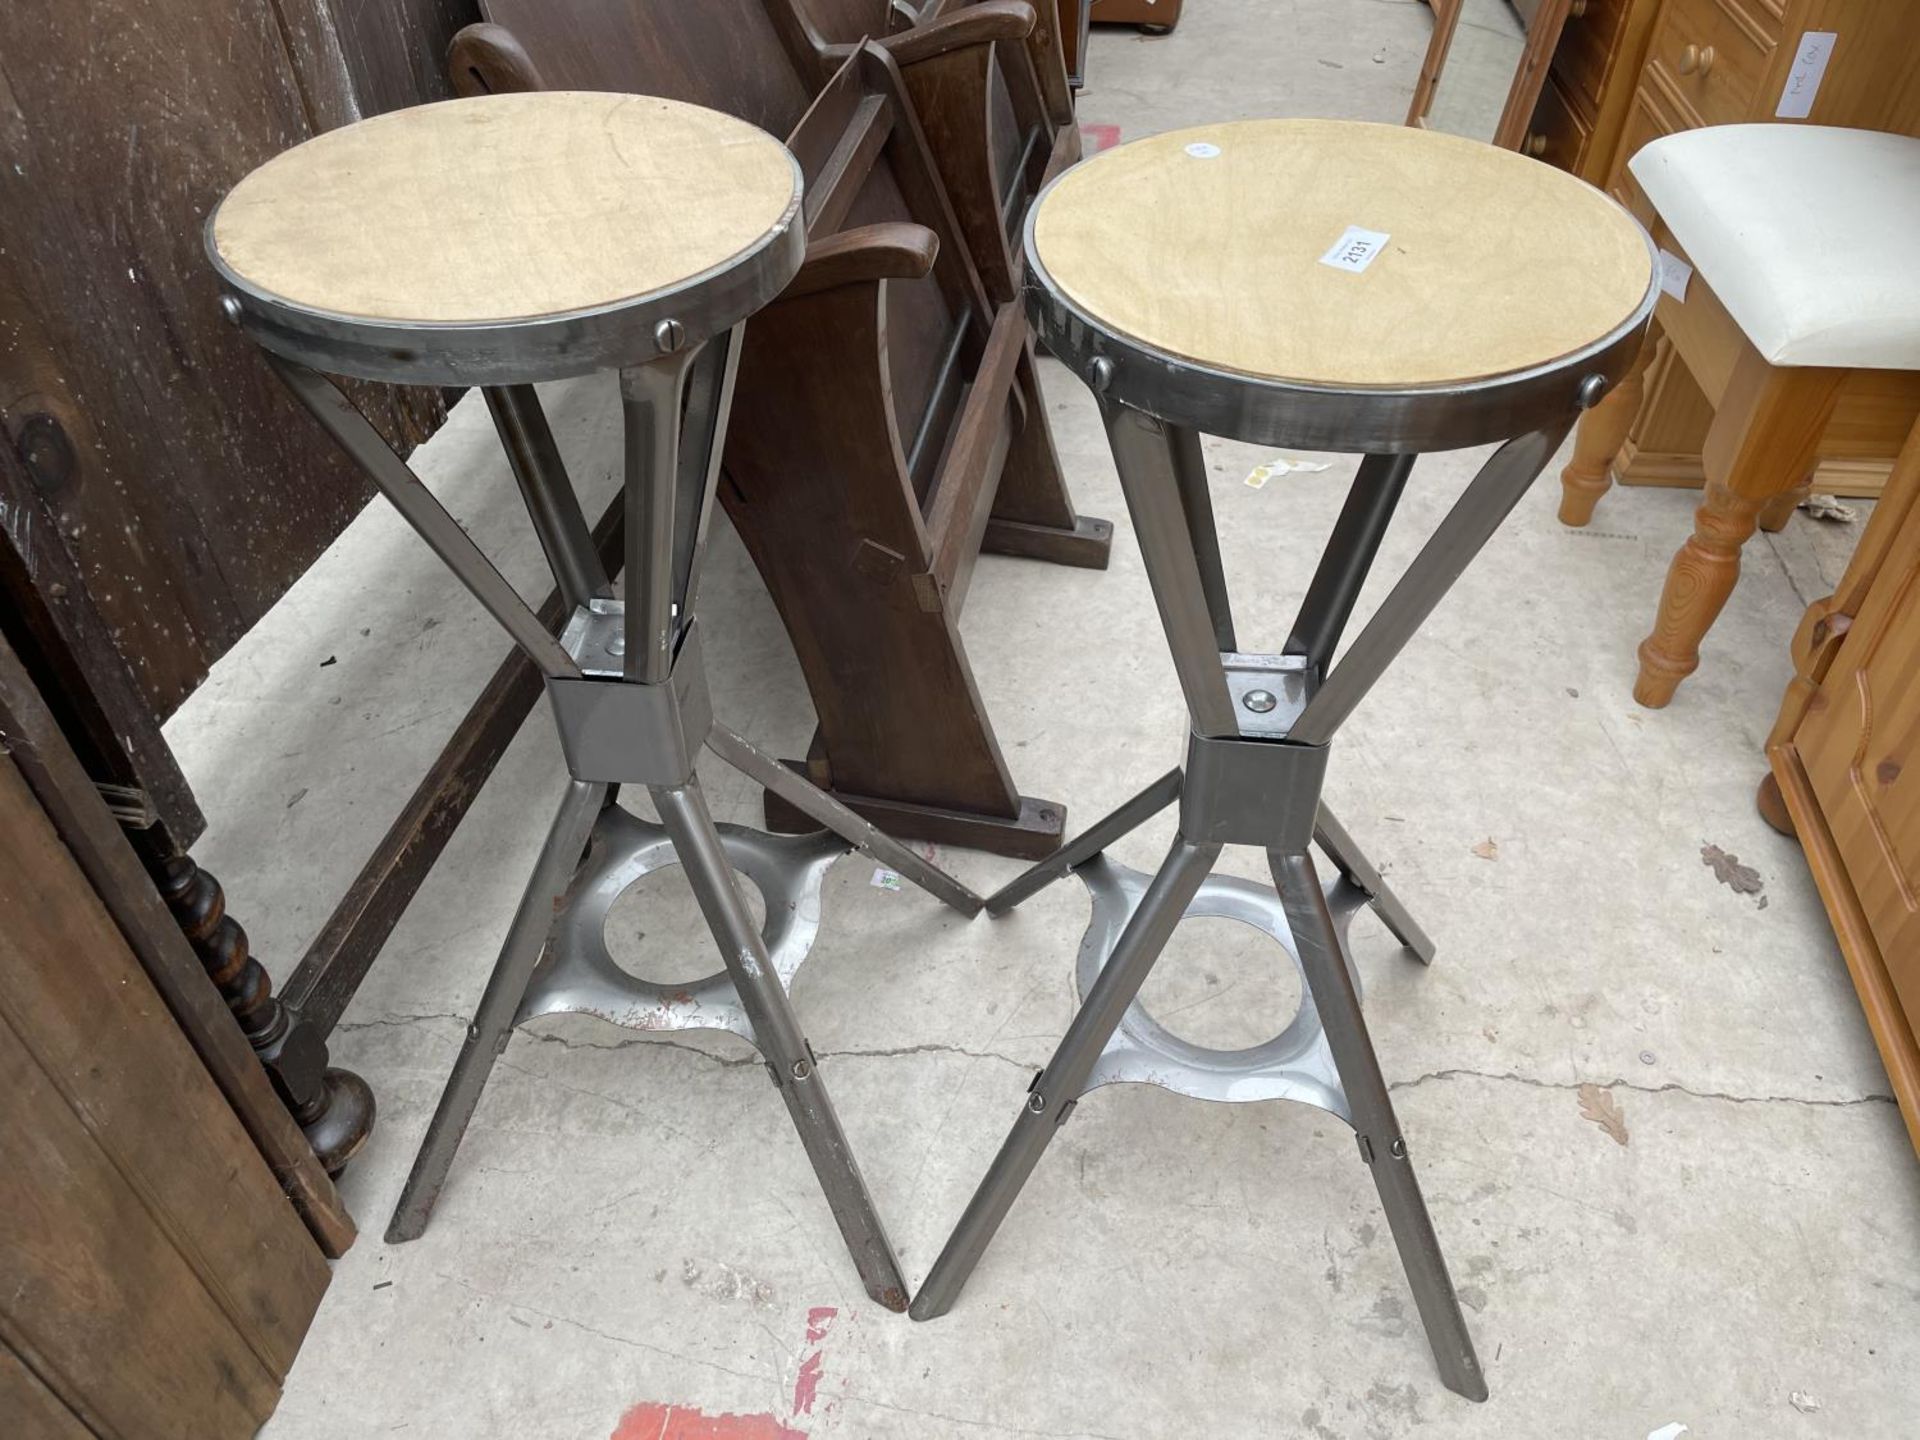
509 237
1385 287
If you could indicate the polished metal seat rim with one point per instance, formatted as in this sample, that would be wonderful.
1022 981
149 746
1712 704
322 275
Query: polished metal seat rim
1127 371
523 349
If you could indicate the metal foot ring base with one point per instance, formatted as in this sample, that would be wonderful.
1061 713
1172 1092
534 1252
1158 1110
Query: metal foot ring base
1295 1065
579 974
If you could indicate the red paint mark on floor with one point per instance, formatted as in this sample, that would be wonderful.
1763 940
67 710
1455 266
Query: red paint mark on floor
806 1385
1095 138
653 1421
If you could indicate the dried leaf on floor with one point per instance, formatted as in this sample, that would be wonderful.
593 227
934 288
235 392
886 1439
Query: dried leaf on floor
1727 869
1602 1109
1488 849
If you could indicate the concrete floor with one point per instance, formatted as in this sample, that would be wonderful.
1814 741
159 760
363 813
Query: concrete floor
632 1235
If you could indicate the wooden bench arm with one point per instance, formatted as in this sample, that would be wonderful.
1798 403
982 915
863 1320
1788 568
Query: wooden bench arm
896 250
487 59
980 24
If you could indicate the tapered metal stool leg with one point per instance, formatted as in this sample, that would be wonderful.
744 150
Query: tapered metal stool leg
493 1022
777 1035
1381 1143
1058 1087
1083 847
1352 862
817 804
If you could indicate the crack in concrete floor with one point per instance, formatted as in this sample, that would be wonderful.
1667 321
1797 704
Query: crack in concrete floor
1412 1082
725 1062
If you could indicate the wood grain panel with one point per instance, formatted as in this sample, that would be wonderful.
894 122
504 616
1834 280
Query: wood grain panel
1589 46
189 490
728 57
395 51
1557 134
1716 54
1860 743
106 858
107 1044
1892 1031
34 1411
92 1292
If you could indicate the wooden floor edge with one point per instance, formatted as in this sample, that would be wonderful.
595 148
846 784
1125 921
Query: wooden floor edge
1891 1033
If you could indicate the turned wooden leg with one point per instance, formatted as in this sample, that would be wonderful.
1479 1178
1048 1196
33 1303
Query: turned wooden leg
1699 581
1601 433
333 1107
1777 511
1763 442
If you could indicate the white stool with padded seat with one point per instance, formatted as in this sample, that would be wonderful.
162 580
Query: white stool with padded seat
1801 243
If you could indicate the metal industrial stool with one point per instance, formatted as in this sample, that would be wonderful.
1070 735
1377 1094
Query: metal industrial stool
1330 286
506 240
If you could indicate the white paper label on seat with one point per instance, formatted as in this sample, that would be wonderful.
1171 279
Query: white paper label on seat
1803 80
1355 250
1203 150
1674 275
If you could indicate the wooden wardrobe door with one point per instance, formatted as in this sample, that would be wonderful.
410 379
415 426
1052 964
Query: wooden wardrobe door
1860 744
154 1280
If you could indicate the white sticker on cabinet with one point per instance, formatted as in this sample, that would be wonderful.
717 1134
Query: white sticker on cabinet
1803 80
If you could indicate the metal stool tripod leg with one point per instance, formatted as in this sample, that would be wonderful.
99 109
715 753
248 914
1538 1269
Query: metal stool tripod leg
493 1022
777 1035
1351 861
816 804
1056 1088
1083 847
1381 1144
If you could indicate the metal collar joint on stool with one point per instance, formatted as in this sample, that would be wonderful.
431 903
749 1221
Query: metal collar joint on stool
1251 792
617 731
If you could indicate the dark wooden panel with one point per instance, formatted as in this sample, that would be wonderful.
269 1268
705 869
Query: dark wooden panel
187 486
33 1411
103 853
849 21
396 52
102 1035
49 618
92 1294
725 56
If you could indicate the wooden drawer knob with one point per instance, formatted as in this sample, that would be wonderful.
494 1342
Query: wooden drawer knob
1695 60
1535 144
1576 9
